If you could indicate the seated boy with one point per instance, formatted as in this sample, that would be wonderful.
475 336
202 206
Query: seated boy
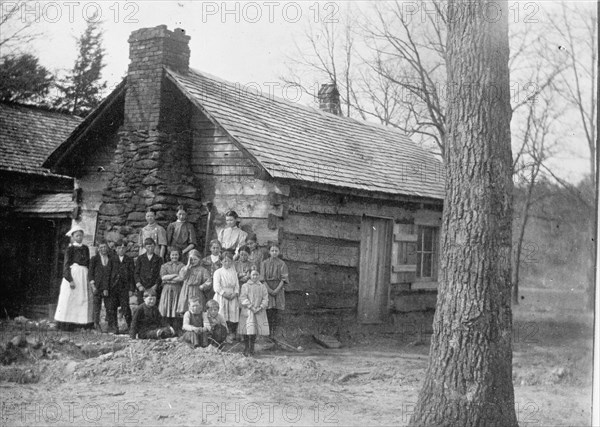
216 324
194 331
147 322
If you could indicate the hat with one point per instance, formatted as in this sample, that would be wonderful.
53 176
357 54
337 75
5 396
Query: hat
74 229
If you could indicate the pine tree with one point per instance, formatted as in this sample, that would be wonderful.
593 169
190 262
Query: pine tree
82 88
23 79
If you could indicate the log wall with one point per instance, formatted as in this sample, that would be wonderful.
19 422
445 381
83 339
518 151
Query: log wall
230 181
320 241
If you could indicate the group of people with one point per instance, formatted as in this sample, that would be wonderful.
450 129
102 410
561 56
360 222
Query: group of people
236 290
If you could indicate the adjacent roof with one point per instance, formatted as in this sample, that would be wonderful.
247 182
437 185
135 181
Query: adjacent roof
46 204
29 134
296 142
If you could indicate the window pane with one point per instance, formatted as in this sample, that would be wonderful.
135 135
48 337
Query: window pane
427 239
427 265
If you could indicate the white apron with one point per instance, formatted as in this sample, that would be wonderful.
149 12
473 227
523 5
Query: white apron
75 305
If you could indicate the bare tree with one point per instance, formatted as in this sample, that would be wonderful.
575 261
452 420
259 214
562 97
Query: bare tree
17 28
577 27
410 53
539 138
469 376
327 51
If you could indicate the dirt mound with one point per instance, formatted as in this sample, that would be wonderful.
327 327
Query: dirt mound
142 360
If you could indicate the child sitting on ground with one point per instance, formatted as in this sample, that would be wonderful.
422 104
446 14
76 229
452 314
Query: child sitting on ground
194 331
216 322
147 322
254 300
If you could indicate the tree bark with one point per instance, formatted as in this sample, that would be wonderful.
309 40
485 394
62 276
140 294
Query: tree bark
469 377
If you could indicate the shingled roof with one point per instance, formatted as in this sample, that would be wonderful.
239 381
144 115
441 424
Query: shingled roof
292 141
48 204
29 134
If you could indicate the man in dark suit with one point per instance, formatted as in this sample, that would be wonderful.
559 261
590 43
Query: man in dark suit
147 271
123 284
101 276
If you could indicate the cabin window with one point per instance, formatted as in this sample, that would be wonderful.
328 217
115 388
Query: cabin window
427 252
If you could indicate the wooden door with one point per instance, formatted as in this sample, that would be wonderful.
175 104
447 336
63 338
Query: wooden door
374 269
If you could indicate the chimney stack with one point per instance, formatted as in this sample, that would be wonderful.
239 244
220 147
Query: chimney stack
151 167
149 50
329 99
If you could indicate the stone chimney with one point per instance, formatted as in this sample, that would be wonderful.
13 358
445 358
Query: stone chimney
151 166
329 99
149 50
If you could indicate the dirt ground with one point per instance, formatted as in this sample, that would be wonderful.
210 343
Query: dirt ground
56 378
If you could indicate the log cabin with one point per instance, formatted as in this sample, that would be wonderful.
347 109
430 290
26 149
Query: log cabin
355 206
36 207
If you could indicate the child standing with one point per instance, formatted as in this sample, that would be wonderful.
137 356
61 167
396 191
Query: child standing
216 322
243 266
275 273
227 290
147 270
101 276
212 263
196 280
255 254
155 232
181 234
254 300
123 283
171 283
232 237
75 299
147 322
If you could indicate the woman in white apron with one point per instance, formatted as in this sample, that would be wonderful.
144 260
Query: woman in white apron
74 306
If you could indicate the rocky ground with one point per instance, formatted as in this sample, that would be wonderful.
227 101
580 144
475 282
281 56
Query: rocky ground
50 377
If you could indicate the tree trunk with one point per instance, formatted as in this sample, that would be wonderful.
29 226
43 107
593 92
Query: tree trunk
469 377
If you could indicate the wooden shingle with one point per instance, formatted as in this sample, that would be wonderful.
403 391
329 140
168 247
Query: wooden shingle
29 134
292 141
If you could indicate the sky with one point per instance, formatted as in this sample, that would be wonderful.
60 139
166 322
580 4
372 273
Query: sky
246 42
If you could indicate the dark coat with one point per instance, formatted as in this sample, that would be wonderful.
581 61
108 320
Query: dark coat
100 274
124 279
147 272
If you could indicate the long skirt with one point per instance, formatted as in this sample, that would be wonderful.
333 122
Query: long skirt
186 292
253 323
169 299
75 305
